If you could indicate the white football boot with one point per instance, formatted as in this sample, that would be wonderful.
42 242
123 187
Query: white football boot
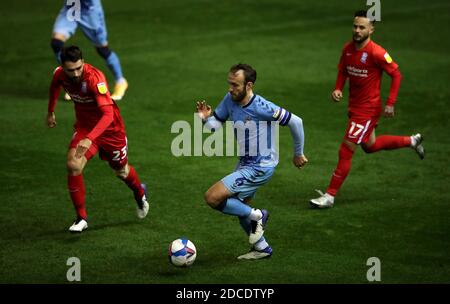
142 204
258 227
78 226
254 254
417 146
325 200
142 212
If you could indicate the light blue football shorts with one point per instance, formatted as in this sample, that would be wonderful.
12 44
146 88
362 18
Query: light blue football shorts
92 23
245 180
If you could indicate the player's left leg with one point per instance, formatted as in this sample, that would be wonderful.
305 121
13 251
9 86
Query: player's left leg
261 249
94 28
391 142
113 63
128 174
114 149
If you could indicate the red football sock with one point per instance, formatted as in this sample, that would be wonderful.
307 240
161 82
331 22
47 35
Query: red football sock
132 181
77 194
342 169
389 142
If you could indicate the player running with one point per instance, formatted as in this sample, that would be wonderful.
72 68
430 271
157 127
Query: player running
92 23
363 62
98 128
252 116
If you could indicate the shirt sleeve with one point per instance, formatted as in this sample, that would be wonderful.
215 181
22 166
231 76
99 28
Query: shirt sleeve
269 111
221 112
104 122
99 87
55 89
384 60
342 72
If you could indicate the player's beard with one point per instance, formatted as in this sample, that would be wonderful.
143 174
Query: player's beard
240 96
360 39
76 79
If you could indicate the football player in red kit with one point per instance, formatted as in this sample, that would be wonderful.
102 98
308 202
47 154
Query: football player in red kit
98 128
363 62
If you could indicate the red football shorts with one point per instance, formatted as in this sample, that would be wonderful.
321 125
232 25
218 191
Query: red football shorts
360 128
112 147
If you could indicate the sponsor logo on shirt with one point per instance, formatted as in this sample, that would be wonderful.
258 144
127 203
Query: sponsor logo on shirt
81 99
357 72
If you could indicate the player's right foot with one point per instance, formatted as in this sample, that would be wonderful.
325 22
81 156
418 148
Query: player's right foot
79 225
142 204
254 254
258 227
119 89
417 140
67 97
325 200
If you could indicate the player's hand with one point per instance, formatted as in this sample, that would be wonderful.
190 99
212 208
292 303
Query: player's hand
82 147
203 109
336 95
389 111
51 120
300 161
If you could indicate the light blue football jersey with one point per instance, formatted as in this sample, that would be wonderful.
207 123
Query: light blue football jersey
255 128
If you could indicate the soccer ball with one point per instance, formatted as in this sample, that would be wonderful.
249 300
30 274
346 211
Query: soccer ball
182 252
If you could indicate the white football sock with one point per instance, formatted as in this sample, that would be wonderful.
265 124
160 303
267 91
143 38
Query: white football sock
261 245
255 215
413 141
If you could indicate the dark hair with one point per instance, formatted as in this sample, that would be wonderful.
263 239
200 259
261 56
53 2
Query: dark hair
363 13
249 72
71 53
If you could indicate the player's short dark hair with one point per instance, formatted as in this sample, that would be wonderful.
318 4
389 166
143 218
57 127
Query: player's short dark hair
249 72
71 53
363 13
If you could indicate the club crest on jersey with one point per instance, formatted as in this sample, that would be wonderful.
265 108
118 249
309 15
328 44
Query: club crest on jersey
101 86
388 58
84 87
364 57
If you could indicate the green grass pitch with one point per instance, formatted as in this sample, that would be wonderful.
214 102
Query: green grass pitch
392 206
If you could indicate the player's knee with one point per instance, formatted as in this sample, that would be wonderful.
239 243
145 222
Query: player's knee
74 166
367 149
211 199
103 51
123 172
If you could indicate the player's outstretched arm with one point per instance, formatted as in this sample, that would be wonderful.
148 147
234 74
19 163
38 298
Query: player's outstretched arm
298 135
204 112
203 109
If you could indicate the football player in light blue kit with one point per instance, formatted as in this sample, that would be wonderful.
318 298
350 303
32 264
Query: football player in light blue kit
91 19
253 119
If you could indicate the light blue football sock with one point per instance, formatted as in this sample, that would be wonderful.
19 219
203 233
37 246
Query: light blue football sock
113 64
233 206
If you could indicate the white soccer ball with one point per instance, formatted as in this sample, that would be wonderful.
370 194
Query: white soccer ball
182 252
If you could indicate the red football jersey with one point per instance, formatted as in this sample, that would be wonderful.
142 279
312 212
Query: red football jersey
88 96
364 68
